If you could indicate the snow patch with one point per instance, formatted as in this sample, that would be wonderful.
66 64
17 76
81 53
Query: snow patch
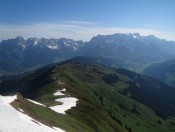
36 102
66 44
67 102
75 44
61 83
74 48
134 36
35 43
63 90
14 121
52 47
58 93
21 110
23 46
108 41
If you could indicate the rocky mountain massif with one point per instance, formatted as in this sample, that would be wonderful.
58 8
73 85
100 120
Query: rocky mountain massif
107 99
129 51
18 54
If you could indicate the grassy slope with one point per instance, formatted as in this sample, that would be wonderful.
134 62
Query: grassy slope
115 106
101 106
162 71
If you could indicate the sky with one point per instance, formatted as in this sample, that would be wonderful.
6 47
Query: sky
83 19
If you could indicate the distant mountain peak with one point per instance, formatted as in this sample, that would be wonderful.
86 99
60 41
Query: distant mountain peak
19 38
119 50
33 41
136 35
34 38
152 37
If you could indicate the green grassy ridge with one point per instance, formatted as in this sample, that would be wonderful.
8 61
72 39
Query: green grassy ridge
102 106
85 89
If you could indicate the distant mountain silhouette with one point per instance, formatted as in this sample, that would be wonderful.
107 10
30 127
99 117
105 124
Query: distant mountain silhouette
129 51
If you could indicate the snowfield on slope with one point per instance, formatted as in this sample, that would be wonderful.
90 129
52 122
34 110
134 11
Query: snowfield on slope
68 102
14 121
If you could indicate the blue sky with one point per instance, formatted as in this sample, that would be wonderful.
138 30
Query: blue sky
82 19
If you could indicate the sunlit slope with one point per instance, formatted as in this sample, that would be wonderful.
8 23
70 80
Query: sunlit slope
108 99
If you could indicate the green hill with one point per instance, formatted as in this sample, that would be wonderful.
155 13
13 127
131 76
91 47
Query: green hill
109 99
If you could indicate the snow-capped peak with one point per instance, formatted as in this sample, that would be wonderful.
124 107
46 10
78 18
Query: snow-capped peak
53 46
136 36
20 38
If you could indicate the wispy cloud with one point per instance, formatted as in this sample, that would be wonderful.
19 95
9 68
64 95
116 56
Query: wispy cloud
155 26
80 23
74 29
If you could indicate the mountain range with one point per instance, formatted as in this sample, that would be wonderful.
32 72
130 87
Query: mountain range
129 51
